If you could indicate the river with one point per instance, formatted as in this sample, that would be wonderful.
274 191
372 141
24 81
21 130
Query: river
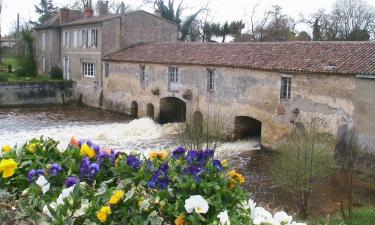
18 124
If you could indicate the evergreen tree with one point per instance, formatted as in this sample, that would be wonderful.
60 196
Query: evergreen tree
45 9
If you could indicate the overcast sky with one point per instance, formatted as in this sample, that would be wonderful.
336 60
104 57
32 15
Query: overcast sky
222 10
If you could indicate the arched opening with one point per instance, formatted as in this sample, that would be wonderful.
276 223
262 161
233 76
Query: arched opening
198 122
134 109
150 110
172 110
247 127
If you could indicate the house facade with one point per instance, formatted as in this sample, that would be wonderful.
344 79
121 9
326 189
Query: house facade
253 89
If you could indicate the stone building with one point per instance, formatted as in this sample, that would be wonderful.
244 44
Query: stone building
258 89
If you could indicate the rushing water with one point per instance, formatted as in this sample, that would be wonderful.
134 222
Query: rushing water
121 132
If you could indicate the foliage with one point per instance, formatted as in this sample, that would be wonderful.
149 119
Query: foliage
361 216
305 158
56 73
45 10
27 61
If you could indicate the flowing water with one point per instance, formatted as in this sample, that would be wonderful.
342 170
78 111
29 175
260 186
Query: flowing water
121 132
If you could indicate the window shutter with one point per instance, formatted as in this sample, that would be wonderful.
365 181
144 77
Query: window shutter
89 38
63 42
68 42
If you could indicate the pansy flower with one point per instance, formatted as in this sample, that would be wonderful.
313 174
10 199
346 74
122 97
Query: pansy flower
70 181
178 153
133 162
55 169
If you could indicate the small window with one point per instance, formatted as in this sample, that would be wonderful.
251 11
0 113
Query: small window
88 69
210 79
142 75
84 38
44 64
66 39
43 41
286 86
173 78
93 38
106 70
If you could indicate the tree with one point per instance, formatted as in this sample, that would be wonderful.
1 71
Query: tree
359 35
303 36
27 60
305 158
45 9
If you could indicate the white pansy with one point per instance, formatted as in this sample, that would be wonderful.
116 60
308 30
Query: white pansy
295 223
43 183
262 216
64 194
196 203
46 210
85 204
283 218
224 218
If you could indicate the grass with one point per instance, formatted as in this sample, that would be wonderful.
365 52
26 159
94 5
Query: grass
361 216
13 77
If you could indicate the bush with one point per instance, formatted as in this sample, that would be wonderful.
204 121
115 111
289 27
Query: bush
56 73
27 61
86 184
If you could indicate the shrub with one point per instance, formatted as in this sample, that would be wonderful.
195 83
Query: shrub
56 73
27 61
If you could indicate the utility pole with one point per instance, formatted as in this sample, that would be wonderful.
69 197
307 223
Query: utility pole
18 34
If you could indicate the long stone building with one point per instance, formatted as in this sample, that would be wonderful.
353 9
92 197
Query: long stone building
132 63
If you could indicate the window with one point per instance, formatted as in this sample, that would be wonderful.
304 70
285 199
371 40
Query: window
286 86
173 78
92 38
66 67
142 75
106 69
44 64
210 80
66 37
88 69
43 41
84 38
75 39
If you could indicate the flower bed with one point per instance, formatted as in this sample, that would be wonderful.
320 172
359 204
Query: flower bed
87 184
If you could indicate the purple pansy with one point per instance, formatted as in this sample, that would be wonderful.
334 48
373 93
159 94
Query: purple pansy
55 169
217 165
34 174
160 178
70 181
133 162
178 153
93 169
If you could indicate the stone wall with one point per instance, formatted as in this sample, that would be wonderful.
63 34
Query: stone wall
238 92
24 93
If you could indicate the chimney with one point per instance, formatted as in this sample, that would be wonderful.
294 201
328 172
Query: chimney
64 15
88 13
103 8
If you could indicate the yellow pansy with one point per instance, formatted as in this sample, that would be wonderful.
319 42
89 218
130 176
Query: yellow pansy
119 158
103 213
180 220
6 148
31 147
87 151
235 177
162 155
8 167
224 163
116 197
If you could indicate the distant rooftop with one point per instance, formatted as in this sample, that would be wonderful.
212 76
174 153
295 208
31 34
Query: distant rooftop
349 58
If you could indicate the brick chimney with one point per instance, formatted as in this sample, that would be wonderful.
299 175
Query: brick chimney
88 13
103 8
64 15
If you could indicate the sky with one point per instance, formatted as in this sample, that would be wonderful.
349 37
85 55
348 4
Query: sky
221 10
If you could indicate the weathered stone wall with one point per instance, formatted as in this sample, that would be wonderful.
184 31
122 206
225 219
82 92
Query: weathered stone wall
23 93
364 120
51 51
238 92
141 26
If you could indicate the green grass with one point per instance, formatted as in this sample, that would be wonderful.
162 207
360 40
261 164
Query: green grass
361 216
13 77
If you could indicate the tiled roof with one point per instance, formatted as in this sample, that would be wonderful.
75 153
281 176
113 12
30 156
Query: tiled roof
314 57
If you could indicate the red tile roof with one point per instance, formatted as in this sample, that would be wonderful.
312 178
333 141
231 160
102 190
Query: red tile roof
314 57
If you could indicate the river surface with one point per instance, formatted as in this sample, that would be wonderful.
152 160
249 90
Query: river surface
124 133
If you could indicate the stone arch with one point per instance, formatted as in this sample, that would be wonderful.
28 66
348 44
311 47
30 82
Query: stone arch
172 110
150 110
198 122
247 127
134 109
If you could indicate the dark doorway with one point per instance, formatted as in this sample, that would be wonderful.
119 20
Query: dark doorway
134 109
247 127
198 122
172 110
150 110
